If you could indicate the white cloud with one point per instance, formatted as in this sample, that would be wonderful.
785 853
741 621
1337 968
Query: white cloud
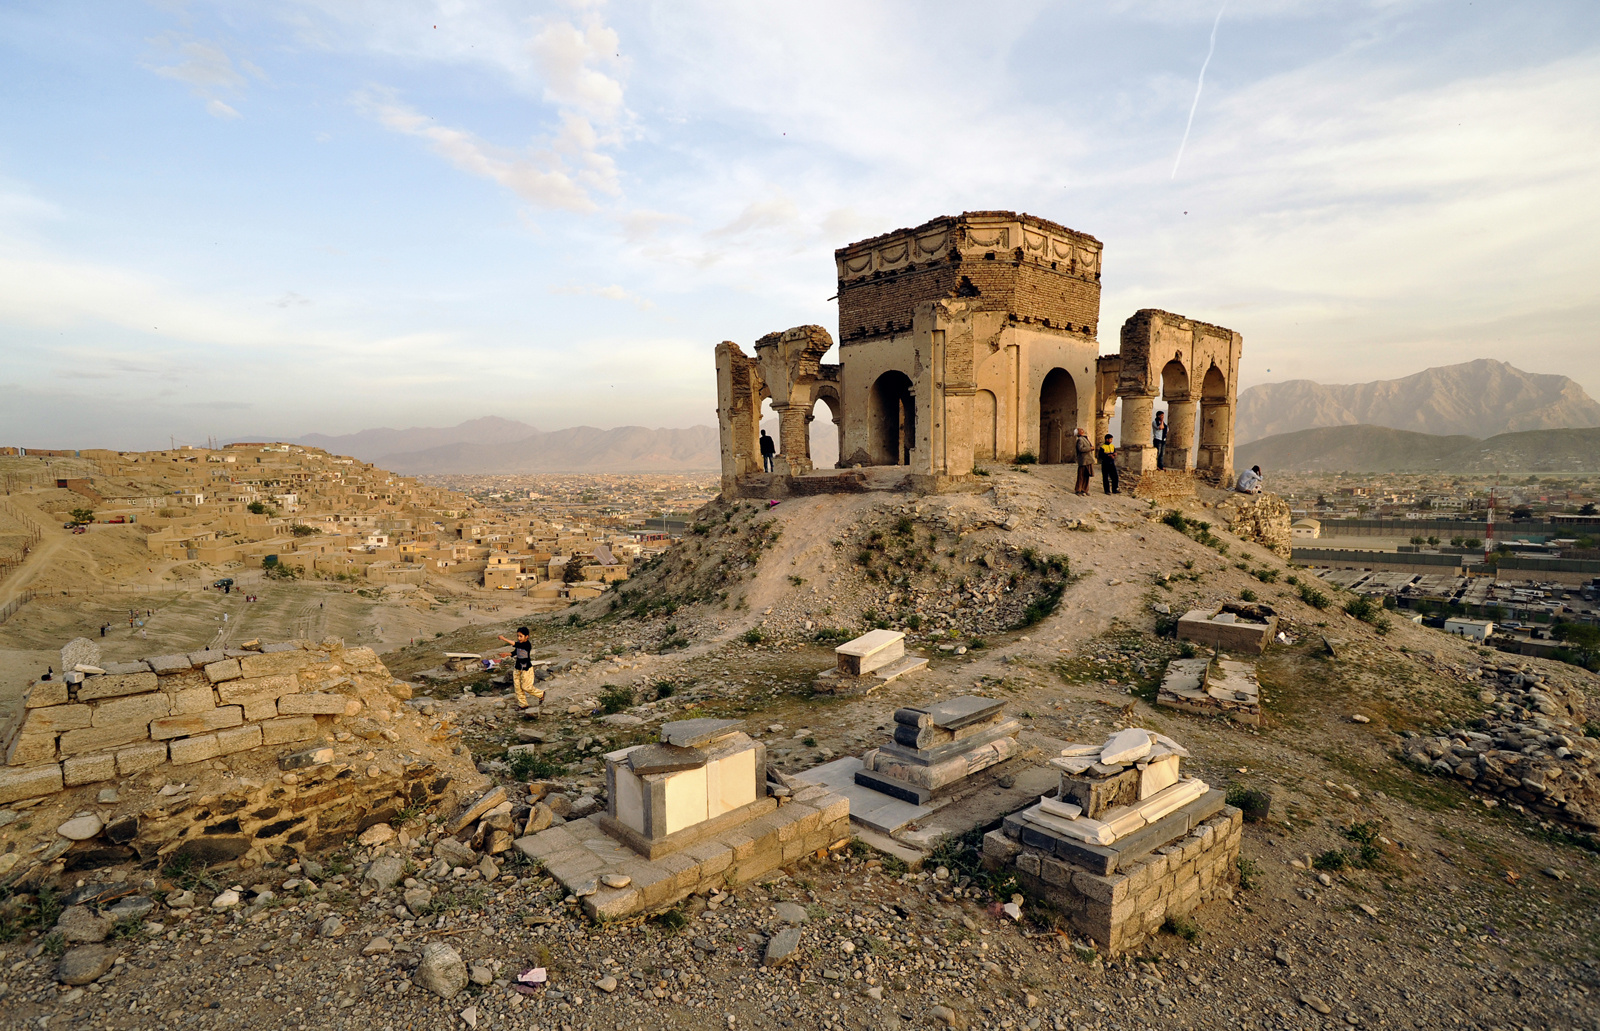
537 175
614 292
204 67
567 57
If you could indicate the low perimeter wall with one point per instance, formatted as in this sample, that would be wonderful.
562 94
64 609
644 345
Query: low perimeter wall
182 709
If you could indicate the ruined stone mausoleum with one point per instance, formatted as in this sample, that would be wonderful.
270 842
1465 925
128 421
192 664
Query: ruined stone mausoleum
973 338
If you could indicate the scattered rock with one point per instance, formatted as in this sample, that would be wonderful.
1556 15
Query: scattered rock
782 947
85 964
226 900
441 970
616 880
81 924
377 834
1013 910
607 984
791 913
332 927
1316 1004
1358 718
80 828
945 1015
481 973
379 946
418 900
384 872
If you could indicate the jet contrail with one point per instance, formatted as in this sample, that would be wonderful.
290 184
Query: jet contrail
1197 87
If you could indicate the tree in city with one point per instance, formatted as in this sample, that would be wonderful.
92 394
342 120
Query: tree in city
1522 512
1472 542
1455 542
82 515
257 507
1589 509
1416 540
1582 638
1433 541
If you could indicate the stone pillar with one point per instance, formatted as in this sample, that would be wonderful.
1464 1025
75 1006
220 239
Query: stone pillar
794 447
1215 458
1138 455
1180 433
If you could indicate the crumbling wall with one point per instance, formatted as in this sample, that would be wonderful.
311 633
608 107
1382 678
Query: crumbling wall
1263 518
86 728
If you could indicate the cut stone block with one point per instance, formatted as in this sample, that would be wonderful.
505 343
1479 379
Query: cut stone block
206 658
239 739
251 688
140 757
58 719
899 668
1095 795
135 709
870 651
31 782
193 749
955 713
98 739
223 669
1126 746
256 709
697 733
1224 632
196 723
1061 810
125 668
661 758
271 663
87 769
1157 775
288 731
26 749
80 651
313 703
194 699
47 692
113 686
166 664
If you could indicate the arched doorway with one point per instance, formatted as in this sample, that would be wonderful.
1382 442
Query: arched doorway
1058 417
893 419
985 426
826 432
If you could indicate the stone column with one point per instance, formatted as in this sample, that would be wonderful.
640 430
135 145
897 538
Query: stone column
1215 457
1180 432
794 447
1138 455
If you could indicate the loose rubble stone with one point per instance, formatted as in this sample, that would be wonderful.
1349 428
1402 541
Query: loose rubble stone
616 880
332 927
384 873
377 834
418 900
85 964
80 828
378 946
791 913
441 970
607 984
81 924
225 900
481 973
782 947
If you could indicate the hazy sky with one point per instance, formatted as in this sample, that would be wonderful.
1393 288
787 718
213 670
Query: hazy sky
258 218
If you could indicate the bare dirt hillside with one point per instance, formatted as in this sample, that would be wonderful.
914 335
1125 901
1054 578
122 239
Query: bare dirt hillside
1374 893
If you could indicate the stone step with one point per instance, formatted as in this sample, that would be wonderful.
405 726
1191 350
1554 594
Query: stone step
899 668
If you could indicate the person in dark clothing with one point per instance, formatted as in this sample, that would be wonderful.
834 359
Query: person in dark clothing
768 449
522 678
1084 448
1107 453
1158 436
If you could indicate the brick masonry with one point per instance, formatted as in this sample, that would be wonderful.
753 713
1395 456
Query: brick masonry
1121 911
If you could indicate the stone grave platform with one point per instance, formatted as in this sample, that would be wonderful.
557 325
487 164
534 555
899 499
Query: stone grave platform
1249 631
587 860
868 662
1125 842
689 812
1225 687
935 748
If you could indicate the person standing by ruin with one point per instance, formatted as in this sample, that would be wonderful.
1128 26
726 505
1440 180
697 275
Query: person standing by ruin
1107 453
522 678
768 449
1158 436
1084 448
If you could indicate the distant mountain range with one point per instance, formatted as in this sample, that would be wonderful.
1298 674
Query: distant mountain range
1480 398
1379 449
495 445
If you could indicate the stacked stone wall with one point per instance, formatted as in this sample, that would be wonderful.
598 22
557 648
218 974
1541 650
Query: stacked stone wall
183 709
1121 911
